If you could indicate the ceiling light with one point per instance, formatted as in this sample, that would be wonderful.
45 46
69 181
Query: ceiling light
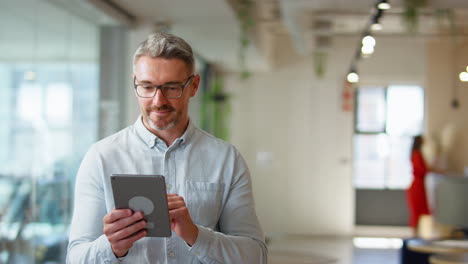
352 77
29 76
384 5
464 76
375 24
368 41
367 50
376 27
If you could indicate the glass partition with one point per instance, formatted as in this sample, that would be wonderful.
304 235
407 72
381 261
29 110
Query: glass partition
48 114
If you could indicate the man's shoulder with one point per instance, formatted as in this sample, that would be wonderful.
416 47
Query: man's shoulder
213 146
209 140
116 140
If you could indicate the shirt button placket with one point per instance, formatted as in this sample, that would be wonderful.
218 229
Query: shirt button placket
170 250
170 247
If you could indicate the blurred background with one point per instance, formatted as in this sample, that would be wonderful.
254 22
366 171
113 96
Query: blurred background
322 98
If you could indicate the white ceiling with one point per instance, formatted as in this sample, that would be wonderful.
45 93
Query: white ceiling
213 30
210 26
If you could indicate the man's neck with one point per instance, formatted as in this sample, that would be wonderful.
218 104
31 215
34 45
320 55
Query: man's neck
169 135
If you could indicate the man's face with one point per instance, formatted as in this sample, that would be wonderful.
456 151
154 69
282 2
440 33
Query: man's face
159 112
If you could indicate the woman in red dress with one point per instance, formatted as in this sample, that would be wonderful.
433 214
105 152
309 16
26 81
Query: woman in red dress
416 194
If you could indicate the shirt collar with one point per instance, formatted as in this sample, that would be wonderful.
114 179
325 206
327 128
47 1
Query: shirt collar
188 133
151 139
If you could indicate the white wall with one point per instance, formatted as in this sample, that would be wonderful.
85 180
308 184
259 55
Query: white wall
305 188
445 61
397 60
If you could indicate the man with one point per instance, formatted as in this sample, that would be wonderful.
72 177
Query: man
210 200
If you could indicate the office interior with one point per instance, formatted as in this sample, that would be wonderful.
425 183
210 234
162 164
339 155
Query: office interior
328 150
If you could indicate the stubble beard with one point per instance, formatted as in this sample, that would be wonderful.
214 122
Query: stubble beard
164 125
153 125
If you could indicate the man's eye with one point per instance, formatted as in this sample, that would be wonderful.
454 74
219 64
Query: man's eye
146 87
171 88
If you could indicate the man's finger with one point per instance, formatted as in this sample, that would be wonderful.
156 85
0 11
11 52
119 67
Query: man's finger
175 205
175 198
116 214
179 212
127 243
122 234
122 223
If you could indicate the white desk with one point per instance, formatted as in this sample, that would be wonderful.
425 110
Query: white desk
448 246
459 258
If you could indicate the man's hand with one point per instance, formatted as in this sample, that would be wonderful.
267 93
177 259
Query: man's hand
181 222
122 229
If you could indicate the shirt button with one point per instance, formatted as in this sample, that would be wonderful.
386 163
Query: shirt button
171 254
168 186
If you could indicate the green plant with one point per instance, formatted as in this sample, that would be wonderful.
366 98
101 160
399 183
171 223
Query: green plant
320 58
410 15
216 110
446 18
244 14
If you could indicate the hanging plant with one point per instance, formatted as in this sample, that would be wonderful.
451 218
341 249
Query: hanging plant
446 20
221 109
411 14
216 110
320 58
244 14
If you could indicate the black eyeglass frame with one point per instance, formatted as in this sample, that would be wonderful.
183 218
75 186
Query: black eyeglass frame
182 86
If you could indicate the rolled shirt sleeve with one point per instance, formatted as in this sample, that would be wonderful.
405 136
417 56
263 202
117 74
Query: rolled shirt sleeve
87 244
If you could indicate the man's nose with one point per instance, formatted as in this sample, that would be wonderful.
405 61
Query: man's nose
159 98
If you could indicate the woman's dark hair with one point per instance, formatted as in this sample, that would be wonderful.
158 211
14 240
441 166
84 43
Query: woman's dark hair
417 143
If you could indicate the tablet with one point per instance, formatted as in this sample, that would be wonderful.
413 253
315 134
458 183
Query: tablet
146 193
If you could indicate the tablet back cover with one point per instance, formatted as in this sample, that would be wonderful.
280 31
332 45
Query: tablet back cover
146 193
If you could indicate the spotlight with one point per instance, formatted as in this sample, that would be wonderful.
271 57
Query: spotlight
383 5
367 50
464 76
352 77
368 41
375 24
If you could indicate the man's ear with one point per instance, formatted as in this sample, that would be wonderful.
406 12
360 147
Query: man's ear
195 83
133 79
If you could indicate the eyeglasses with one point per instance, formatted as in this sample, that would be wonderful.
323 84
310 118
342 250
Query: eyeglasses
170 91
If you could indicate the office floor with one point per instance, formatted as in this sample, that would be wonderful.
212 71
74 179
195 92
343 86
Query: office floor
321 250
334 250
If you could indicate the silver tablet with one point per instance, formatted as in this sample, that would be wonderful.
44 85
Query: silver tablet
146 193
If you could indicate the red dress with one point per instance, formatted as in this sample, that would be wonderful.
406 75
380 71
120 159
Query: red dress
416 194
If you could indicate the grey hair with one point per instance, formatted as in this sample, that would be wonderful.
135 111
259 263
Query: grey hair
166 46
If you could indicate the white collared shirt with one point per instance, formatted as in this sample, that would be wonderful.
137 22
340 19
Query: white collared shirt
209 173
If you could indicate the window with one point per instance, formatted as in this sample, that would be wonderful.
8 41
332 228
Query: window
48 113
386 120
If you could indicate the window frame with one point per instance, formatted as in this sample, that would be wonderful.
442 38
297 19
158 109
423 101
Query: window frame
384 131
